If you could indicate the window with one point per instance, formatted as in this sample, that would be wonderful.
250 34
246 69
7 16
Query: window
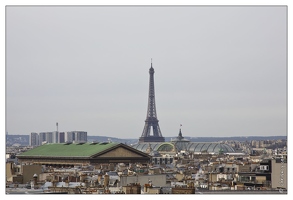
166 147
264 167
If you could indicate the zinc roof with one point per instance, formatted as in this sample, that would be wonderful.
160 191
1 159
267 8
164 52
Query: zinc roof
68 150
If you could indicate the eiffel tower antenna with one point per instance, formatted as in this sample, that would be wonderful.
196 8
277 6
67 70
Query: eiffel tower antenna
151 122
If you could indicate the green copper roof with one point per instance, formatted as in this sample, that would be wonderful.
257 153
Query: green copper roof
68 150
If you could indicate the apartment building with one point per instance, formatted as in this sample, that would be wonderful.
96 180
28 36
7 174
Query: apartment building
37 139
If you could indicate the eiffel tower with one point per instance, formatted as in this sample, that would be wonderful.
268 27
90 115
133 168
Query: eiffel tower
151 122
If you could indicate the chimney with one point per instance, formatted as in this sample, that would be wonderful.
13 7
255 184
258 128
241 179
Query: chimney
35 177
106 180
66 183
99 178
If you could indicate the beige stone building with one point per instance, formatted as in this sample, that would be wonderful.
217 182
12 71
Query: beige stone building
96 154
279 173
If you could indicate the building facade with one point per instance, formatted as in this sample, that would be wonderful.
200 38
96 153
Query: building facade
61 137
76 136
37 139
279 173
34 139
72 154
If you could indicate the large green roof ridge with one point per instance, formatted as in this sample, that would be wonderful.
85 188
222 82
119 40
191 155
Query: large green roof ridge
67 150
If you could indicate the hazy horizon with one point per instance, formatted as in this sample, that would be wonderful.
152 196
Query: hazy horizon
219 71
174 136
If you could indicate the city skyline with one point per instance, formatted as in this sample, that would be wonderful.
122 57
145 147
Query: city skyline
219 71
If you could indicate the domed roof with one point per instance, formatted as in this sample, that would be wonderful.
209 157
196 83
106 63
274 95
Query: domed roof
180 138
167 146
196 147
144 145
211 147
180 143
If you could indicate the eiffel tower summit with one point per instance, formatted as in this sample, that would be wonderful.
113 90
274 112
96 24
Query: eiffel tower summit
151 122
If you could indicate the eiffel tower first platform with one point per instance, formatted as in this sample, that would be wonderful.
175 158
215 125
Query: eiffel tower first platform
151 122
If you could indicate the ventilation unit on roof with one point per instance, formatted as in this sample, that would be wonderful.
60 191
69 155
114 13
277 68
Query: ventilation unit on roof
95 142
104 143
81 142
68 142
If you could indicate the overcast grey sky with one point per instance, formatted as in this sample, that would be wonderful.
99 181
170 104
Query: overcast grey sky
219 71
